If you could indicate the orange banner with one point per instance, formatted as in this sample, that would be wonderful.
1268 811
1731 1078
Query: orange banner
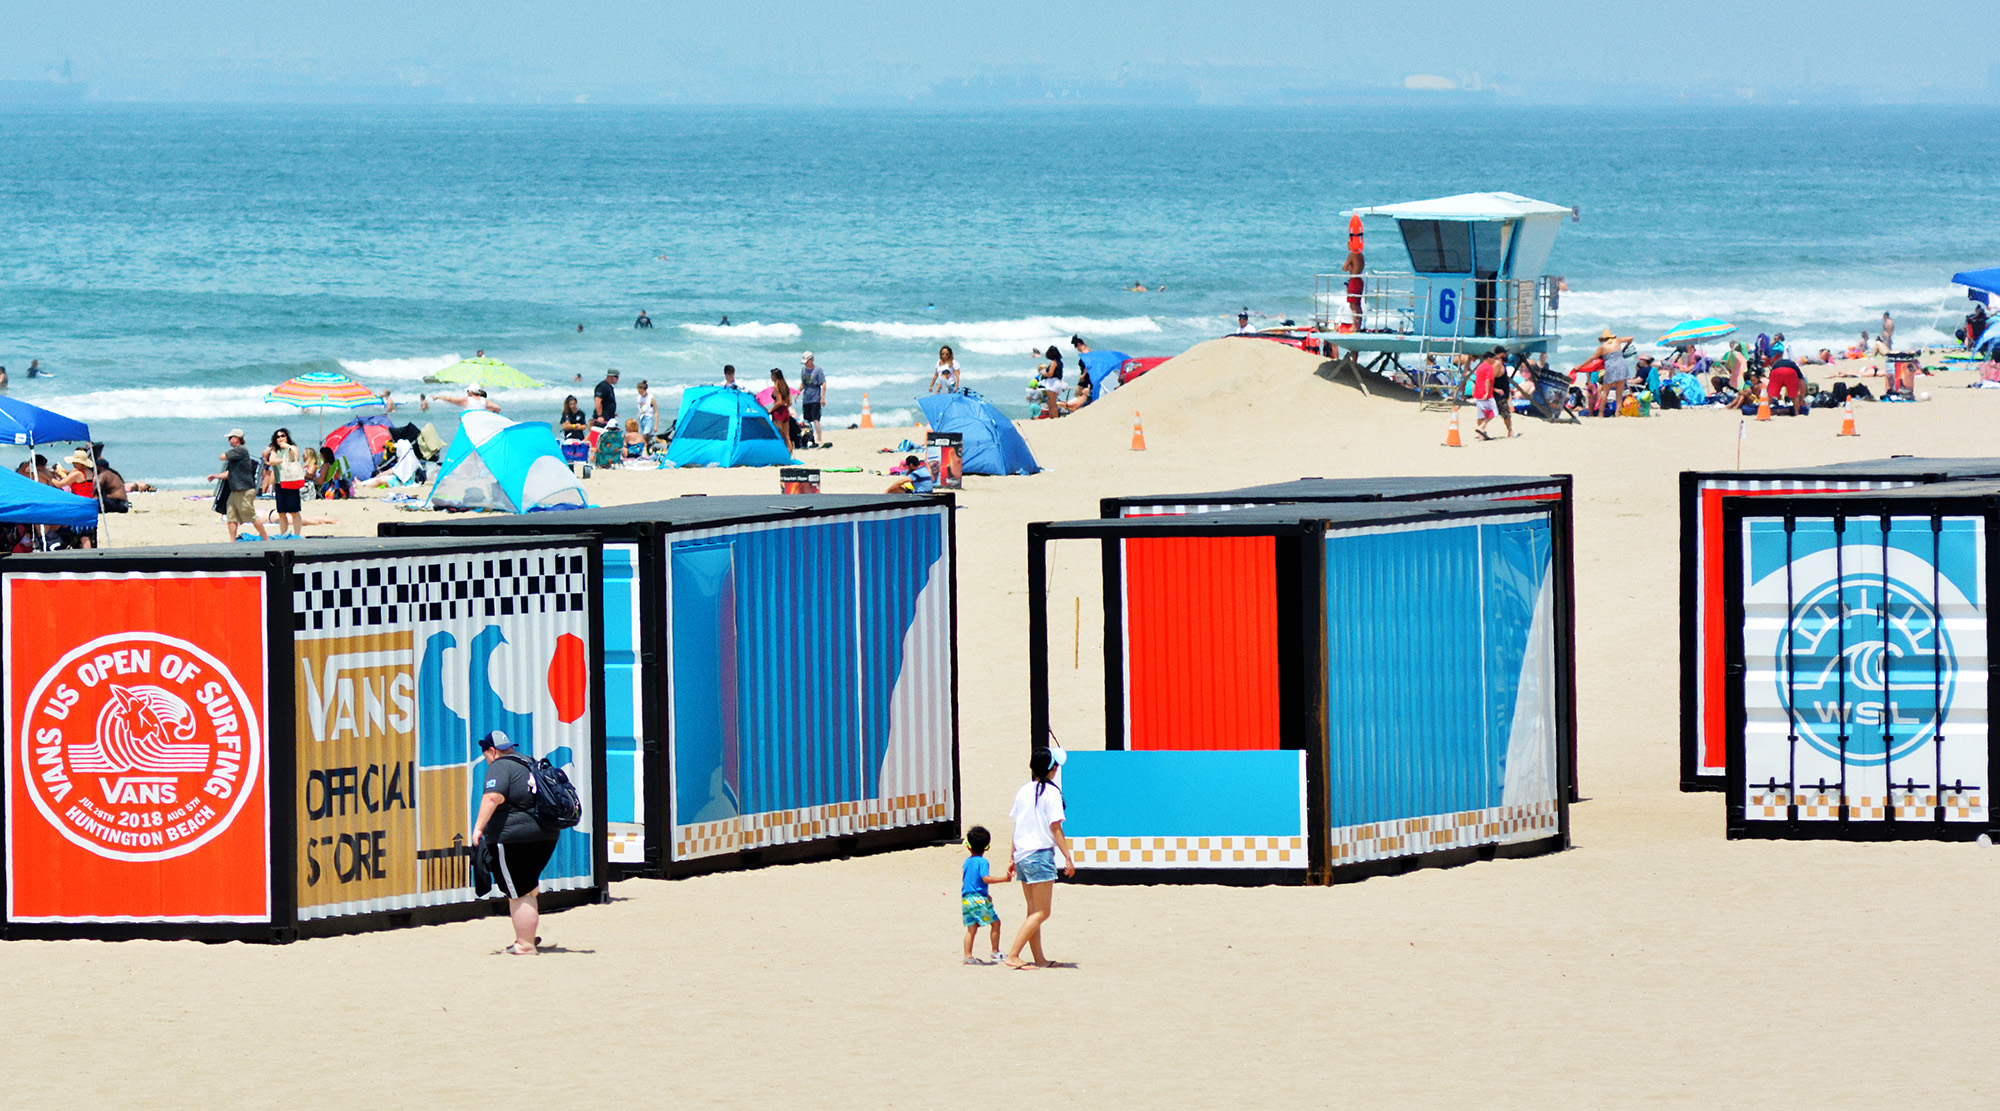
136 771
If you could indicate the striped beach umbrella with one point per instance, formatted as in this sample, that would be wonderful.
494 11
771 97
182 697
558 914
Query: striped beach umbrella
1696 331
323 389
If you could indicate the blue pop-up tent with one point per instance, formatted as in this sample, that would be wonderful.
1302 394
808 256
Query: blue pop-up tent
991 445
509 466
23 501
22 423
722 427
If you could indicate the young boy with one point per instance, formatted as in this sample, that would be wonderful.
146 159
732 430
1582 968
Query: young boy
975 905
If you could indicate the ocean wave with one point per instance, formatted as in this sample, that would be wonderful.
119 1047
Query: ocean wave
752 330
866 380
1020 333
410 370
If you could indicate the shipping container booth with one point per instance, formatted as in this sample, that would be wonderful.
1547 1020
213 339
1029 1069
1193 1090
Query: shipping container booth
1142 591
279 740
1703 625
1339 690
780 673
1856 663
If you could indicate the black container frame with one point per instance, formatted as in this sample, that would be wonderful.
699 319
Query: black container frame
1910 470
1841 508
1320 491
1302 691
278 561
650 527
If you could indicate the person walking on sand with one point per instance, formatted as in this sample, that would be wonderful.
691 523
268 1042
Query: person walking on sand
604 397
1483 407
974 899
781 408
1038 834
521 844
649 412
239 469
285 463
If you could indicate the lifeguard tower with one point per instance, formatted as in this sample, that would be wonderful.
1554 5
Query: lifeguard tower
1474 282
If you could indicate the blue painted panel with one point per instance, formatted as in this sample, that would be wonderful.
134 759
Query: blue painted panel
1184 794
621 675
896 559
796 687
707 784
1426 632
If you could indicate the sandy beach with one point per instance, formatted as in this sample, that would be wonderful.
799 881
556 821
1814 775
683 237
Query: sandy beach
1653 964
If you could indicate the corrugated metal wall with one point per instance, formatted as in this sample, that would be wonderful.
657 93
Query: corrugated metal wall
402 664
837 686
1201 643
1428 628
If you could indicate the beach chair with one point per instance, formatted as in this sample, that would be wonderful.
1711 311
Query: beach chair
1551 398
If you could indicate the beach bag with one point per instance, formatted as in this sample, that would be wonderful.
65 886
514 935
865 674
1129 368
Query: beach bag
556 805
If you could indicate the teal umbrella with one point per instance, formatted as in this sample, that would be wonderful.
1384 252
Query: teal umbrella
1696 331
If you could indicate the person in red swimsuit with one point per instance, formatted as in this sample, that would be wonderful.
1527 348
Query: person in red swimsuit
1352 268
1786 383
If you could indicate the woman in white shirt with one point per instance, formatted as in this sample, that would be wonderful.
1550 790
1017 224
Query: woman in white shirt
1038 835
945 378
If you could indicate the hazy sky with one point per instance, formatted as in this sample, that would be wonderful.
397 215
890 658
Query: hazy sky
766 50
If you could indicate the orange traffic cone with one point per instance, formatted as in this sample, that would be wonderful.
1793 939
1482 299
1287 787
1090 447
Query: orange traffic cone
867 418
1847 420
1138 434
1451 438
1764 406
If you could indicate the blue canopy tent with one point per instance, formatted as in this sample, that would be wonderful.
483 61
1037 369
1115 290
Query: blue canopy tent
992 445
1981 286
722 427
28 425
24 501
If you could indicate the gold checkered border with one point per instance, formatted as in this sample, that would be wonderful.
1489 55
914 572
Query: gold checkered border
1188 852
625 847
1438 832
1964 806
785 827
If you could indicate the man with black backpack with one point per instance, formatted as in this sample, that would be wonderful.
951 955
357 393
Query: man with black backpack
516 833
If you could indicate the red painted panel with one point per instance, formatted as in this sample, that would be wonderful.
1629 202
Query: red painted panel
1201 643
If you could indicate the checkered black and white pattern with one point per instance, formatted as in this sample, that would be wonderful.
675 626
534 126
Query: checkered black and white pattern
376 592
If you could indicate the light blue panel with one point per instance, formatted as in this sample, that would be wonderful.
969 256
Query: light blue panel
1184 794
1426 632
897 555
1405 712
621 677
796 686
1516 555
707 785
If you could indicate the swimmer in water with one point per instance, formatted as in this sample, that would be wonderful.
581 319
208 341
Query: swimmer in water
725 321
35 368
1138 288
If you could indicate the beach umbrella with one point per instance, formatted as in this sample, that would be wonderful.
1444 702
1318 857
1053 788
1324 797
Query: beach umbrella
28 425
1696 331
490 373
323 389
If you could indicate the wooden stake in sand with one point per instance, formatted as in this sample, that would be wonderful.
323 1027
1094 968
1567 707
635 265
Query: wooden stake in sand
1076 657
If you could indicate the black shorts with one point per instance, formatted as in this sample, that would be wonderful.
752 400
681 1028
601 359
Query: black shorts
811 411
518 867
288 500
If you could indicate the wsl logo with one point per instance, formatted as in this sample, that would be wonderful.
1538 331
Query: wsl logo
1869 657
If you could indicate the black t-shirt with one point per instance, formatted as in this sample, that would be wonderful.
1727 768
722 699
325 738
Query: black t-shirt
242 469
607 399
514 822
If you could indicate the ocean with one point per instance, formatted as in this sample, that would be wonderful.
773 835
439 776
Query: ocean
169 264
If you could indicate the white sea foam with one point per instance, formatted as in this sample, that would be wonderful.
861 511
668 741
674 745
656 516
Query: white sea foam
751 330
875 380
1008 335
409 370
1782 307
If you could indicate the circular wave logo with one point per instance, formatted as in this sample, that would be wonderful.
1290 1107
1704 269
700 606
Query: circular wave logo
1867 651
138 746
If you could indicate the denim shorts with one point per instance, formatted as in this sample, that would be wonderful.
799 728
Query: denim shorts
1037 867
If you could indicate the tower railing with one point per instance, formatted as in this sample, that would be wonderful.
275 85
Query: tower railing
1456 313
